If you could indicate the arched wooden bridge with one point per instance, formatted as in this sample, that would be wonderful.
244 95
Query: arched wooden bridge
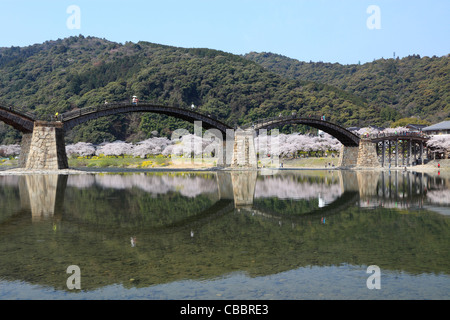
37 153
346 137
76 117
18 118
24 122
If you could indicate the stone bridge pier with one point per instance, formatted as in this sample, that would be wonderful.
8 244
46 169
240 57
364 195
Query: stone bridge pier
363 156
244 151
238 186
24 149
45 148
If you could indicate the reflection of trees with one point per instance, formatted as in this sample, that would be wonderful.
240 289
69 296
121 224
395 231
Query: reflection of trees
132 208
439 196
295 193
151 200
231 242
97 224
299 210
9 180
9 197
186 184
284 187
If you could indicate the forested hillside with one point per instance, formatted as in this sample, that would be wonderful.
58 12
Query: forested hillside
400 88
77 72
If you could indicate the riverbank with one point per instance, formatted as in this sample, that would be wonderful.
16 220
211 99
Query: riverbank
288 164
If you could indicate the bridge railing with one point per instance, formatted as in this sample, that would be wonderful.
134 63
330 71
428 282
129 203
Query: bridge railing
90 109
412 134
267 121
114 105
18 110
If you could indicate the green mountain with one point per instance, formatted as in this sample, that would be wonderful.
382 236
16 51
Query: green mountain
77 72
411 87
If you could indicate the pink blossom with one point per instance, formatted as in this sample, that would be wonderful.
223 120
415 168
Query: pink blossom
81 149
9 150
116 148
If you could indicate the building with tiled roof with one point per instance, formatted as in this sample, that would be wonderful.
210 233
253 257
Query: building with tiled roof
438 128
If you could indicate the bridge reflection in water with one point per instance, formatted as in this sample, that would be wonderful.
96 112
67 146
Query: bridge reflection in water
43 195
221 223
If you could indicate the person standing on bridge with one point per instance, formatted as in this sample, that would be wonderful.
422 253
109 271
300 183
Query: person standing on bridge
134 101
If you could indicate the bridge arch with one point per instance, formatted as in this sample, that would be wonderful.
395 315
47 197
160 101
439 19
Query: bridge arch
344 201
73 118
19 120
346 137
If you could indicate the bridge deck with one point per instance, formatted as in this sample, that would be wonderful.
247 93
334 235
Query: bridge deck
18 118
346 137
75 117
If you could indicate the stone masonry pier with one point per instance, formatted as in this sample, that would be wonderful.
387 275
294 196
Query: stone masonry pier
46 148
367 155
244 153
348 157
363 156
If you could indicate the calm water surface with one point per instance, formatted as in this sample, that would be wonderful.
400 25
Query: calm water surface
225 235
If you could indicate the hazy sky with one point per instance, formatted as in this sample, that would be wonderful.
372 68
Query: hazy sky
344 31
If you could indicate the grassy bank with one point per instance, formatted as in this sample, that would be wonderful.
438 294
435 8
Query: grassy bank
158 161
311 162
168 162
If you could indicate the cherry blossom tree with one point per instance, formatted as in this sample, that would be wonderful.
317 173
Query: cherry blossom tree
9 150
152 146
440 142
369 130
397 130
289 145
116 148
81 149
189 145
284 187
366 130
187 185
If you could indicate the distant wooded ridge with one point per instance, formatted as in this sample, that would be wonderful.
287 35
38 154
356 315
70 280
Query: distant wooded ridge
76 72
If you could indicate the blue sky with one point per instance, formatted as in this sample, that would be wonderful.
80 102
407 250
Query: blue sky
307 30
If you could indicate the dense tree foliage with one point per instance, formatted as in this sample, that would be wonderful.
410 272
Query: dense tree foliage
399 88
76 72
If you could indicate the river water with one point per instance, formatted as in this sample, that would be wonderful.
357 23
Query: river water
301 234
